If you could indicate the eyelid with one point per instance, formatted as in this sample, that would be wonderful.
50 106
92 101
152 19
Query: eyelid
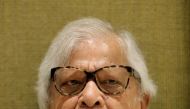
122 86
75 81
109 80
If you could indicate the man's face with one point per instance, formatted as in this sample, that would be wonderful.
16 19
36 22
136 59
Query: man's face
90 55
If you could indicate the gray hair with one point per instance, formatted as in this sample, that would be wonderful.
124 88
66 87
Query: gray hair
62 45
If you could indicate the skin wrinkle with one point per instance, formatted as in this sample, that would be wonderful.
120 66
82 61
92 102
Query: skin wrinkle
89 86
122 50
84 56
93 62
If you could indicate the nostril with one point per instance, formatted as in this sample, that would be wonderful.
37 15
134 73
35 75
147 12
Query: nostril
83 104
97 103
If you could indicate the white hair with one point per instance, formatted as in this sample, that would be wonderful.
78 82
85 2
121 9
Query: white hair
82 29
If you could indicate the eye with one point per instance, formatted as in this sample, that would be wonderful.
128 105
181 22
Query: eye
72 83
110 82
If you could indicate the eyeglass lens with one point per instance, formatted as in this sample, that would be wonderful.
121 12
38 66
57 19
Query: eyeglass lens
110 80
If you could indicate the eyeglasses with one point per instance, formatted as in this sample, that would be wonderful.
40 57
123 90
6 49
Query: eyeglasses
111 80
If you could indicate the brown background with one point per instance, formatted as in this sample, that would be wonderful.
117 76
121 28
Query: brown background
161 28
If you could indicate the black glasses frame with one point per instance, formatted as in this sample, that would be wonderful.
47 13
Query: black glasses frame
91 76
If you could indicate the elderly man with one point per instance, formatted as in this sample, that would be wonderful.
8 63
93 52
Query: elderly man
90 66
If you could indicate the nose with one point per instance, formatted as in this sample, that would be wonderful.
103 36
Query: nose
91 96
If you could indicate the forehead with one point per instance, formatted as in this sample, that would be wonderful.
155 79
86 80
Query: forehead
97 52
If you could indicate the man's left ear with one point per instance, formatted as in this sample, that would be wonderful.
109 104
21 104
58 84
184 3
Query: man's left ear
145 100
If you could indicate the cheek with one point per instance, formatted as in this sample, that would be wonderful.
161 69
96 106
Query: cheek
64 103
130 99
123 102
119 102
58 101
115 103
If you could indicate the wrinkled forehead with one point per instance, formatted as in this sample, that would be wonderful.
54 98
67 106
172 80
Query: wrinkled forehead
97 52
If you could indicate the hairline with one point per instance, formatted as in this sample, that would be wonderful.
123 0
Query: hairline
49 61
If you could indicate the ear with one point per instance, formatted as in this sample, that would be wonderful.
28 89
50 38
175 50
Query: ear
145 100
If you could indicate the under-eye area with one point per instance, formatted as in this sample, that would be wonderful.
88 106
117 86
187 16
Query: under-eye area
109 79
